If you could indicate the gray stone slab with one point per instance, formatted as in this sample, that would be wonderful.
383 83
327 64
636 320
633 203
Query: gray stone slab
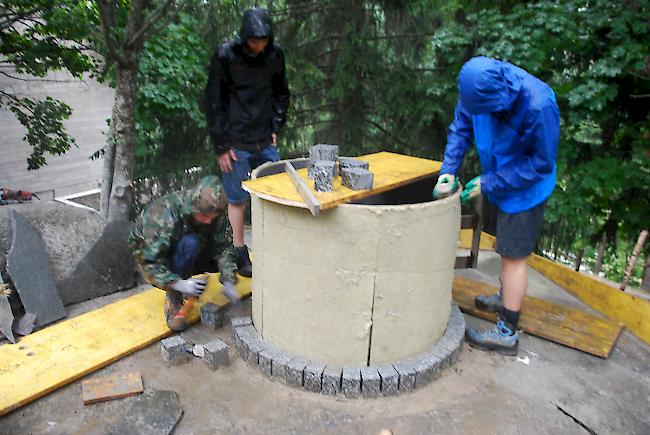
357 178
150 413
331 384
216 354
351 382
389 380
279 365
296 371
173 351
406 375
29 268
106 268
370 382
211 315
24 325
6 318
313 377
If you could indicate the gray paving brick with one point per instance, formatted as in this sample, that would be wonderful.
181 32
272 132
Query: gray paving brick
389 380
279 365
296 371
406 372
323 172
351 382
356 178
331 384
370 382
216 354
211 315
313 376
347 162
172 350
265 359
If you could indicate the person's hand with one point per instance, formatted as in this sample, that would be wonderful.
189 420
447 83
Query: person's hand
189 287
229 291
274 139
225 160
472 190
446 184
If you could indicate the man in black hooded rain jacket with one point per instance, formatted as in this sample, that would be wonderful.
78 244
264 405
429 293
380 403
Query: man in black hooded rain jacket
246 98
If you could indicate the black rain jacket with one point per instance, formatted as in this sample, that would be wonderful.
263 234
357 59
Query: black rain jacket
247 96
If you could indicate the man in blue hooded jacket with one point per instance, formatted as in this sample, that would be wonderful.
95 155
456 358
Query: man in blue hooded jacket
514 120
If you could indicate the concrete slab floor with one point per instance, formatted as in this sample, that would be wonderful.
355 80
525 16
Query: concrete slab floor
555 390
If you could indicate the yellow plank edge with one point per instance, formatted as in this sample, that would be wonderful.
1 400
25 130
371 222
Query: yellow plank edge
62 353
623 307
390 170
488 242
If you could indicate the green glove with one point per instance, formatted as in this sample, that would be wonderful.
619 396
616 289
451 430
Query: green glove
472 190
446 184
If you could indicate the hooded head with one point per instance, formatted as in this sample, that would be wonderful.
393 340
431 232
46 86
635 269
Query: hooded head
208 196
488 85
256 24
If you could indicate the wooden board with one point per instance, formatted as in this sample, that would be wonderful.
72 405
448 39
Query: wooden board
568 326
488 242
633 312
389 170
111 387
64 352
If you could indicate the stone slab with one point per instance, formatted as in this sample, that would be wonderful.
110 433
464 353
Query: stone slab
216 354
29 267
25 324
351 382
389 380
370 382
150 413
313 377
172 351
295 371
6 318
331 384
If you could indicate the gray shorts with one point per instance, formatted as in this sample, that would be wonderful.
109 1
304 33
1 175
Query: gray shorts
517 233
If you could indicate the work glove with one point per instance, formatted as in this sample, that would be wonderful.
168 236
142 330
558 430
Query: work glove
189 287
229 291
446 184
472 190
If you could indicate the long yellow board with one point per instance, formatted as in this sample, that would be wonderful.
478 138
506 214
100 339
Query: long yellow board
62 353
390 170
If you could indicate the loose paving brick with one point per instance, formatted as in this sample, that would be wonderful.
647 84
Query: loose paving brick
389 380
239 321
313 376
351 382
295 371
347 162
357 178
211 315
323 172
370 382
173 352
216 354
331 384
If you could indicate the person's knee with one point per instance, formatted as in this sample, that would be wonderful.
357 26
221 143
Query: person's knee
189 245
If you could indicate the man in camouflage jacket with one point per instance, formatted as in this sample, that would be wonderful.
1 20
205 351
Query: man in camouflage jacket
181 234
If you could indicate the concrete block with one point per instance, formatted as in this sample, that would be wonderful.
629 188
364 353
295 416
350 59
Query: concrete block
173 352
389 380
351 382
357 178
323 174
313 376
279 365
370 382
347 162
216 354
296 371
406 372
331 384
211 315
324 152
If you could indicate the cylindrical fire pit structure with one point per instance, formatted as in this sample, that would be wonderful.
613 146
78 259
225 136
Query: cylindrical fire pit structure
360 284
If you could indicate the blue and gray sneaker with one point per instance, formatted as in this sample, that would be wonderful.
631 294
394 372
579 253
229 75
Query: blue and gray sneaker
490 303
499 338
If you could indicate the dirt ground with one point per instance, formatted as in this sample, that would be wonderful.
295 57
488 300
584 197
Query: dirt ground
547 389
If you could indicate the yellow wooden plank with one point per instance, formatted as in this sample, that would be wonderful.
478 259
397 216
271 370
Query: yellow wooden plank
390 170
488 242
622 307
64 352
568 326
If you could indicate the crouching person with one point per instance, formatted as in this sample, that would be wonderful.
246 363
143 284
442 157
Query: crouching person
179 235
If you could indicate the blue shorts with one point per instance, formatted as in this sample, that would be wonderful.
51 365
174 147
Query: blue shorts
241 171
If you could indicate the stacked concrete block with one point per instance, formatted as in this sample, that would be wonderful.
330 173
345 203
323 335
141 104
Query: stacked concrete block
296 371
211 315
357 178
216 354
173 351
370 382
389 380
351 382
321 152
323 172
331 384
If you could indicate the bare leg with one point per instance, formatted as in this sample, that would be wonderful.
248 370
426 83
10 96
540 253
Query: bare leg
514 273
236 218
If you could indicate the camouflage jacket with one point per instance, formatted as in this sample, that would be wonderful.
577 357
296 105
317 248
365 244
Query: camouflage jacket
163 223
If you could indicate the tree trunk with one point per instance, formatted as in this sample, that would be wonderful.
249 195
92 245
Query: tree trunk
581 252
635 255
123 126
601 254
645 281
107 171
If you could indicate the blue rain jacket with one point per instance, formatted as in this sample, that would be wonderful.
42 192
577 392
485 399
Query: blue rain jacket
515 122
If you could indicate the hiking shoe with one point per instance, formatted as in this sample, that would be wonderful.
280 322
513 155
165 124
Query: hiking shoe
499 338
490 303
244 266
173 303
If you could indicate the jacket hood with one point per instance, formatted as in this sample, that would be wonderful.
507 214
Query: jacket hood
256 23
488 85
